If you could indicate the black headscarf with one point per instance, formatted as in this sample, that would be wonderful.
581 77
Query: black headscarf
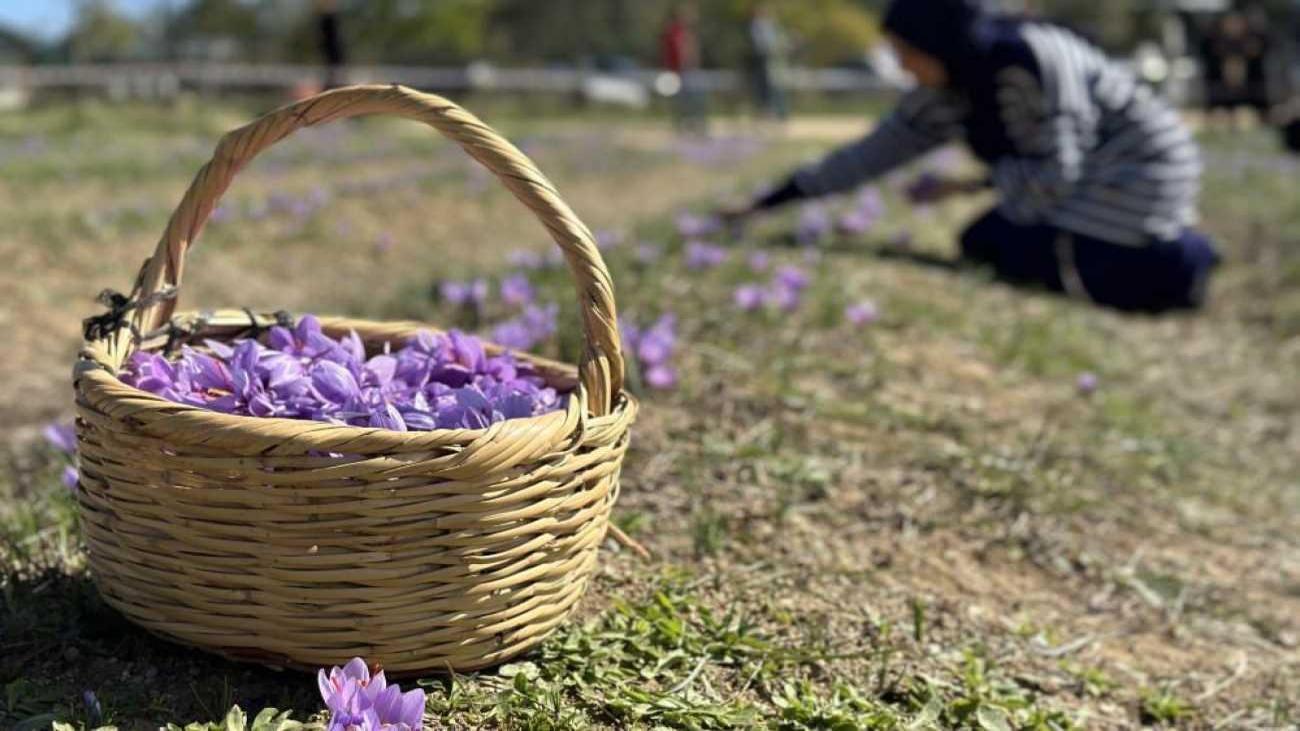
957 32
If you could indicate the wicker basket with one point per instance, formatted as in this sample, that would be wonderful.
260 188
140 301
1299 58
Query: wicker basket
422 551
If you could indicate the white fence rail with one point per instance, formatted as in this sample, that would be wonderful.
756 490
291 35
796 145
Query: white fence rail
157 79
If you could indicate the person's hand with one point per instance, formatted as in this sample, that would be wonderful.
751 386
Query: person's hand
735 217
930 188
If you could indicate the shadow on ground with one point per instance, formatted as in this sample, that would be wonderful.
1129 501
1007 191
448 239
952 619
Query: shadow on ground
60 640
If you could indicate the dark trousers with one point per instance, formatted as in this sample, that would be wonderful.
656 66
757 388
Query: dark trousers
1161 276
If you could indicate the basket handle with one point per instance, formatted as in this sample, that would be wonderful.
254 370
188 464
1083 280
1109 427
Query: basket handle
601 369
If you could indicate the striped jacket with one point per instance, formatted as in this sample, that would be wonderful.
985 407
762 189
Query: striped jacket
1087 148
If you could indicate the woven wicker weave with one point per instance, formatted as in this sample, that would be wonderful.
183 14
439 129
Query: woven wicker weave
423 551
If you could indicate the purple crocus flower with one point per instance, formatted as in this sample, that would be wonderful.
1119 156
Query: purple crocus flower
792 277
784 298
658 343
517 290
648 252
862 313
1087 383
307 374
748 297
70 477
661 377
759 261
653 348
62 437
525 259
703 255
607 239
465 294
359 702
693 226
814 224
535 325
866 213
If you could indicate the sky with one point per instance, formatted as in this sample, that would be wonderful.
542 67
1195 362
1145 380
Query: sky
50 18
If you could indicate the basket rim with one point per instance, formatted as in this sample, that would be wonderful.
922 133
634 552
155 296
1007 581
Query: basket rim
95 376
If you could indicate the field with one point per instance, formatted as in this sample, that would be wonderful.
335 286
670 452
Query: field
920 521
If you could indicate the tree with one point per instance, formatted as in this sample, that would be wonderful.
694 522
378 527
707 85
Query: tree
100 33
408 31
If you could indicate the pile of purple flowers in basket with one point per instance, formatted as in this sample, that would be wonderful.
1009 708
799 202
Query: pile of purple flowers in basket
435 381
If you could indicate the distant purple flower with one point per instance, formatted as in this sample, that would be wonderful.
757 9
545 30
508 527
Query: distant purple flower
792 277
1087 383
862 313
759 261
220 214
648 252
524 259
703 255
517 290
70 477
749 297
693 226
661 377
654 348
814 224
608 239
783 298
465 294
535 325
62 437
384 243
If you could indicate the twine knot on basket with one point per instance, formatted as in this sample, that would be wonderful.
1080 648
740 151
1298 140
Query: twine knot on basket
305 543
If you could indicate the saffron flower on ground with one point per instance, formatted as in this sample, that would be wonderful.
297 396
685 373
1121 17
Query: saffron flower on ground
814 224
703 255
862 313
654 349
464 294
63 437
749 297
1087 383
358 701
648 252
866 213
694 226
517 290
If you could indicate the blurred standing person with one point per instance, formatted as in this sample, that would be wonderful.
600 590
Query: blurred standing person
679 51
767 58
1235 55
331 42
1097 177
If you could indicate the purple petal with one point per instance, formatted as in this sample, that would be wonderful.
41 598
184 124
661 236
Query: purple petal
62 437
661 377
220 349
862 313
387 417
517 290
334 382
280 339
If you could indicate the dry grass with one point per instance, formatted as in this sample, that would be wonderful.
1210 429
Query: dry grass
920 520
